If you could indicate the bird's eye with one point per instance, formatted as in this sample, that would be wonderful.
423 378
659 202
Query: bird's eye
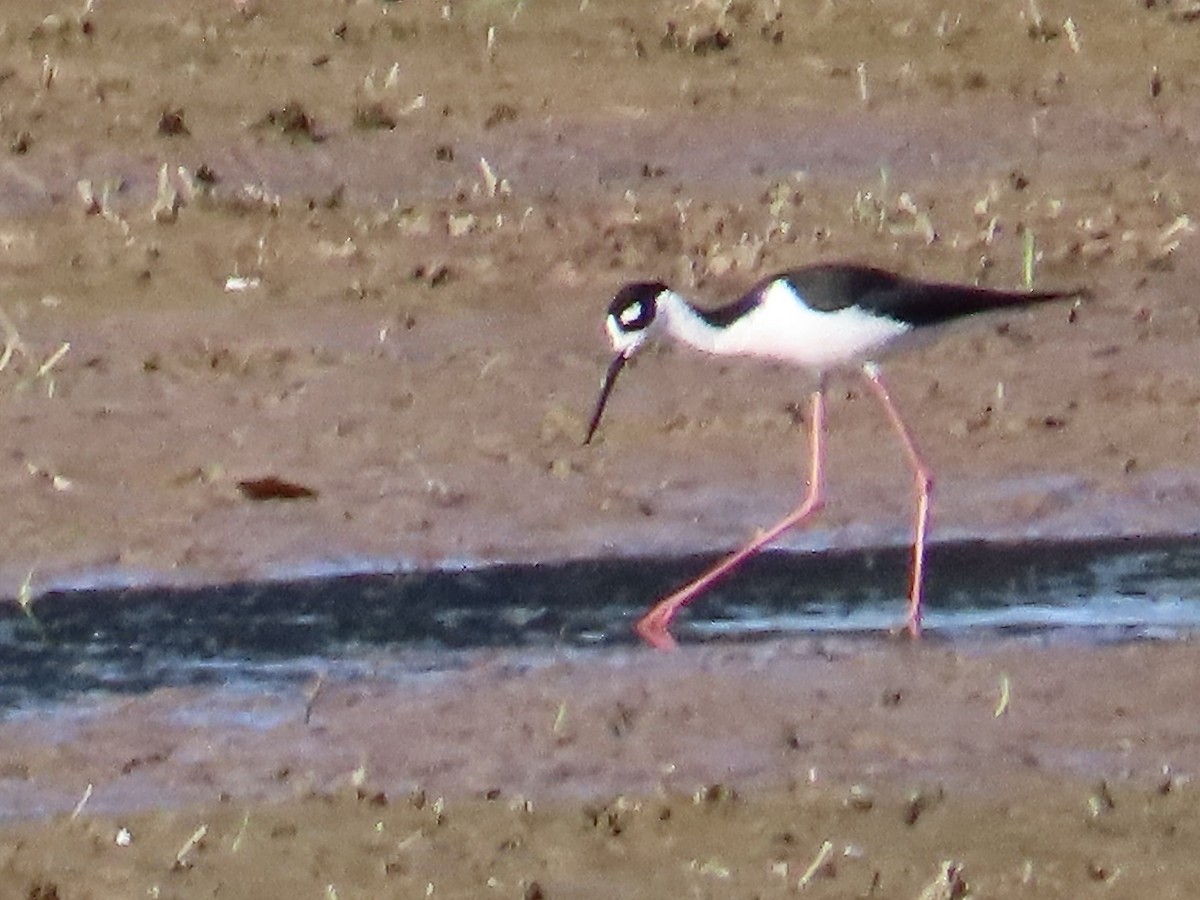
631 315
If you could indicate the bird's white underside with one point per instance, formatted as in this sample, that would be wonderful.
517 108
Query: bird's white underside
782 328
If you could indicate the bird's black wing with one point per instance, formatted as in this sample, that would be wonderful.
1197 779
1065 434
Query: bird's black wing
917 304
830 288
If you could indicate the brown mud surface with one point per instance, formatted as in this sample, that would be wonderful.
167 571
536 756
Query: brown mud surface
365 248
709 772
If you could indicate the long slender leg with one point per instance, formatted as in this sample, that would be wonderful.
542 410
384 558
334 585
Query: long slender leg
924 485
653 626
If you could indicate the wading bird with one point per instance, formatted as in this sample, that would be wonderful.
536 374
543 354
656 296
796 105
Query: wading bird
822 318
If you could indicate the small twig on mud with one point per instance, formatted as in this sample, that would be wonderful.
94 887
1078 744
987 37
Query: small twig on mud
1072 34
188 846
167 200
493 185
311 698
1028 255
12 340
237 839
83 801
493 361
1005 697
1168 239
53 359
815 866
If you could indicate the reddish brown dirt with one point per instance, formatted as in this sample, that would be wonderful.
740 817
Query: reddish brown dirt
418 341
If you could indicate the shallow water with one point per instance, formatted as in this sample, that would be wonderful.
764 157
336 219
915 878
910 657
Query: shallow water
244 636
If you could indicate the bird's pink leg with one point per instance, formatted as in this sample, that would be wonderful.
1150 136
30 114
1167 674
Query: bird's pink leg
653 626
924 485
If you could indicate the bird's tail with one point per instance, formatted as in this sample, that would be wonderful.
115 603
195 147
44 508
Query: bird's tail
938 303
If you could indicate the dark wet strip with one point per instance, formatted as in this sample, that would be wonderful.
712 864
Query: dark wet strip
246 635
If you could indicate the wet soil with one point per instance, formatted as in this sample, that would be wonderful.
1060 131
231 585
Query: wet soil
363 249
718 772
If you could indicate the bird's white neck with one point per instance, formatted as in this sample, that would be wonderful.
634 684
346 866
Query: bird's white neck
681 321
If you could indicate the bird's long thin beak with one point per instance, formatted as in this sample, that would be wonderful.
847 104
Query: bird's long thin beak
610 378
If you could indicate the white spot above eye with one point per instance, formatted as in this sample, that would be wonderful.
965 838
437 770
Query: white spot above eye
630 314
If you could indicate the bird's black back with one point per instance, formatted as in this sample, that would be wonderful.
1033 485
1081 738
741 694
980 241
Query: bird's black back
830 287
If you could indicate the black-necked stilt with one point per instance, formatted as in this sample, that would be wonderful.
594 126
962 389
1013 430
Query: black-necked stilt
822 318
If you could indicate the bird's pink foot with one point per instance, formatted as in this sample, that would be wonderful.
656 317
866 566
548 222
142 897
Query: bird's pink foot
913 623
652 629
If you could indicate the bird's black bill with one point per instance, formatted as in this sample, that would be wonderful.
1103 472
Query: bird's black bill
610 378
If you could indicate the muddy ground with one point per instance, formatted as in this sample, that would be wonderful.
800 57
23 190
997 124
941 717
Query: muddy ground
365 248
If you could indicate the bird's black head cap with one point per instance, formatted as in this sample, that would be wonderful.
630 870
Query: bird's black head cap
631 316
634 307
